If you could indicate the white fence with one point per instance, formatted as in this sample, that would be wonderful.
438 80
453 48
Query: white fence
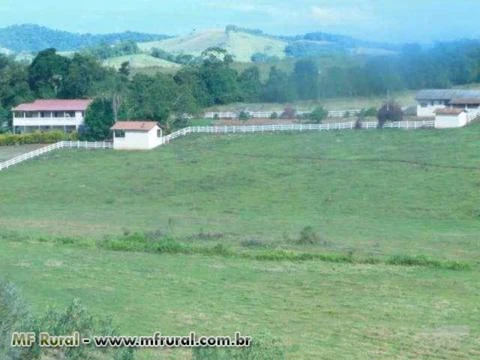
222 130
268 114
59 145
293 127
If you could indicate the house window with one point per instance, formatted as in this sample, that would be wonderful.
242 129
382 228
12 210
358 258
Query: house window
423 105
159 133
119 133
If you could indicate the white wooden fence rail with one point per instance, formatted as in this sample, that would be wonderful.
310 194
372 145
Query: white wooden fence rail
293 127
59 145
269 114
220 130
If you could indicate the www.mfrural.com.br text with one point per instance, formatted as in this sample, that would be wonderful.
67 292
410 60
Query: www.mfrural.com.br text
157 340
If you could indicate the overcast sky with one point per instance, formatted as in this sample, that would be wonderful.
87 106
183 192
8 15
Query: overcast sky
385 20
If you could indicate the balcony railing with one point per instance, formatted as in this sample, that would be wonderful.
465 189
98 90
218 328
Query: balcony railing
47 121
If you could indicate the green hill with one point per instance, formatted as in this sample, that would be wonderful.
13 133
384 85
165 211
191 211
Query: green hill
240 44
33 38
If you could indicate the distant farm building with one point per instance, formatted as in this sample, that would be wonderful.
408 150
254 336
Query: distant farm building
136 135
46 115
450 118
429 101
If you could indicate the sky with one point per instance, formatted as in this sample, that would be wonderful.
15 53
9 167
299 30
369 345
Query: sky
378 20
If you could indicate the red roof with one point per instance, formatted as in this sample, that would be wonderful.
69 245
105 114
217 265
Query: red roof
134 125
55 105
448 111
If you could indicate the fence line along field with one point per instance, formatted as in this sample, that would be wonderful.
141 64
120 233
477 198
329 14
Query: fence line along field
360 244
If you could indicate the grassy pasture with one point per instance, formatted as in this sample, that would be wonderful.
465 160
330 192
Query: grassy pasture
371 192
318 310
366 193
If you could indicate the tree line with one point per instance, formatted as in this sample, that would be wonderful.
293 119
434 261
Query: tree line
213 81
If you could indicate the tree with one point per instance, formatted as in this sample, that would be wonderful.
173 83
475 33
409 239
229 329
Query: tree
82 75
14 87
46 73
151 97
220 80
249 84
98 120
306 78
278 87
318 114
390 111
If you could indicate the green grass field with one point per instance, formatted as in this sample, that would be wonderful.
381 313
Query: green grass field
366 194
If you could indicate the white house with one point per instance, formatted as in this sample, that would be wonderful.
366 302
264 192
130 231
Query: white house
45 115
450 118
428 101
136 135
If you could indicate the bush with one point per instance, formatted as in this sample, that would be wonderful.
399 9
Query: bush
318 114
274 115
358 124
14 316
253 243
389 112
421 260
308 236
288 113
36 138
264 347
244 116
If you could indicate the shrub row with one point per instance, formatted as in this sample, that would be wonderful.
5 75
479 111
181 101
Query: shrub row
163 244
36 138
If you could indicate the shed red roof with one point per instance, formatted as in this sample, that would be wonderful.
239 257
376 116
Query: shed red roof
134 125
55 105
448 111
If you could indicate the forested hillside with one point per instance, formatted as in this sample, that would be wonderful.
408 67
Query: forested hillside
212 80
35 38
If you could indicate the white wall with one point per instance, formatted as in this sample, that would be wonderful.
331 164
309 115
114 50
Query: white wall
429 110
137 140
450 121
35 122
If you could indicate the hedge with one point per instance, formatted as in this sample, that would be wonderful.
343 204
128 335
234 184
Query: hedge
36 138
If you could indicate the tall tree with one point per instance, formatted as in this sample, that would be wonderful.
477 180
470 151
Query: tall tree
98 120
306 78
249 83
82 75
220 80
278 88
47 72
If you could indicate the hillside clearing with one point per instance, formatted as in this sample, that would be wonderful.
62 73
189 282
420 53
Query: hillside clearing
140 61
239 44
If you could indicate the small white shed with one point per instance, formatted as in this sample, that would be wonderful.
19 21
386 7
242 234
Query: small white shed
136 135
450 118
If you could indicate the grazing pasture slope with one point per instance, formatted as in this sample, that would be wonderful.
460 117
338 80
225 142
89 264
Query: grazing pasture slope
361 197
